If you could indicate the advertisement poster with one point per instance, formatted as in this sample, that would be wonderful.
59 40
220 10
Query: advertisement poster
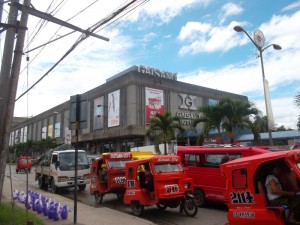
98 113
154 102
114 109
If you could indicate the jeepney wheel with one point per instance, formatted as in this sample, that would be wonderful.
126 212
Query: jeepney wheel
54 189
98 197
137 208
161 206
190 206
200 198
81 187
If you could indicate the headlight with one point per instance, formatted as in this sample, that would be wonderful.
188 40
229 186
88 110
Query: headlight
187 185
86 176
62 179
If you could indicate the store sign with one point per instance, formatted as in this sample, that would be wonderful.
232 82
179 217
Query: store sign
188 102
157 73
188 108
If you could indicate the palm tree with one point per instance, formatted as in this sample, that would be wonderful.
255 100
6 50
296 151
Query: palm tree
256 125
297 102
163 126
212 117
236 114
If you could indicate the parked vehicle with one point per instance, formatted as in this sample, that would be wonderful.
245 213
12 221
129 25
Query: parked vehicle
295 146
246 192
56 169
108 175
161 181
23 164
202 163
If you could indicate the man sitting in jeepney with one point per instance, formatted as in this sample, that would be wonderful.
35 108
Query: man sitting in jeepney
277 196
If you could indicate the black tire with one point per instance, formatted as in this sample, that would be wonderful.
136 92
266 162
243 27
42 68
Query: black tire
81 187
190 207
161 207
17 171
120 196
137 208
54 189
200 198
98 197
41 182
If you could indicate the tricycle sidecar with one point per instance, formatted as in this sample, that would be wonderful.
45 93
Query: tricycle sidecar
108 175
24 164
161 181
246 192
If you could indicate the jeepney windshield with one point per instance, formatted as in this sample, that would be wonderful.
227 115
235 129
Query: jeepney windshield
168 167
117 163
24 161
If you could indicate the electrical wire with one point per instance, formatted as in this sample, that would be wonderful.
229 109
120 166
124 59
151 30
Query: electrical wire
80 39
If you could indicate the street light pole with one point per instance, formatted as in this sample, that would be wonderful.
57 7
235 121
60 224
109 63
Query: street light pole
259 43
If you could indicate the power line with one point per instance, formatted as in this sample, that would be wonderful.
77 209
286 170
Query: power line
80 39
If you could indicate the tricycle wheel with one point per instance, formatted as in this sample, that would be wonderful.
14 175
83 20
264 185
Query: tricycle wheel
190 206
161 206
17 171
81 187
200 198
98 197
120 196
137 208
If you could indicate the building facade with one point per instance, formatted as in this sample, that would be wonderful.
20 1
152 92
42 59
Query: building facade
119 111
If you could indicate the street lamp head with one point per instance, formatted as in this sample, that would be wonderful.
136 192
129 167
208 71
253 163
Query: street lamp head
277 47
238 29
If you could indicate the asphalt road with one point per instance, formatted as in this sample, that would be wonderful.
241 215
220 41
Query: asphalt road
214 214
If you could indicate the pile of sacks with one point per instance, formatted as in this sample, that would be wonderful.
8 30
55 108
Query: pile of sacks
42 205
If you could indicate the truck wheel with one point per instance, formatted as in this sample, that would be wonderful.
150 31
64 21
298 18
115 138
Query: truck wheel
41 182
190 207
81 187
137 208
54 189
200 198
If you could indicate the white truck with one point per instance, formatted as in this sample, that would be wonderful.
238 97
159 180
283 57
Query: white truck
56 168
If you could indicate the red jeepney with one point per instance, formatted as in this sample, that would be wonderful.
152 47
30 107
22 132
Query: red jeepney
23 163
159 180
108 175
246 192
202 163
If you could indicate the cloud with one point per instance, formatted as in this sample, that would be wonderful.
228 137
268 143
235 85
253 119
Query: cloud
292 6
202 37
229 9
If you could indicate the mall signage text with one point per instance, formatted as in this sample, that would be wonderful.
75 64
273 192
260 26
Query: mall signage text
157 73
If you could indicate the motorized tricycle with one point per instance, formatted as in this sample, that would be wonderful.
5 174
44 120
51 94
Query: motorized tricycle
108 175
246 191
161 181
24 164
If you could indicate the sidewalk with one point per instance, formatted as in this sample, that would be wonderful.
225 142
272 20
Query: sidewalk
86 215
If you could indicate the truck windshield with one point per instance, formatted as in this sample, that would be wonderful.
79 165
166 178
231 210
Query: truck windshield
168 168
68 159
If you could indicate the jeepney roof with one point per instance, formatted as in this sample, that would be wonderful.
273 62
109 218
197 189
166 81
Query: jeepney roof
116 155
156 159
205 149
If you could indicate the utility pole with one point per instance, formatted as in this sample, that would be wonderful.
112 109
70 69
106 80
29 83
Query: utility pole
5 82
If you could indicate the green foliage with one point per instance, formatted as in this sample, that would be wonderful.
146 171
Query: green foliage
33 147
162 128
6 212
226 116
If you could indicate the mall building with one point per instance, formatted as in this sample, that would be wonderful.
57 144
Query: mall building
119 111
